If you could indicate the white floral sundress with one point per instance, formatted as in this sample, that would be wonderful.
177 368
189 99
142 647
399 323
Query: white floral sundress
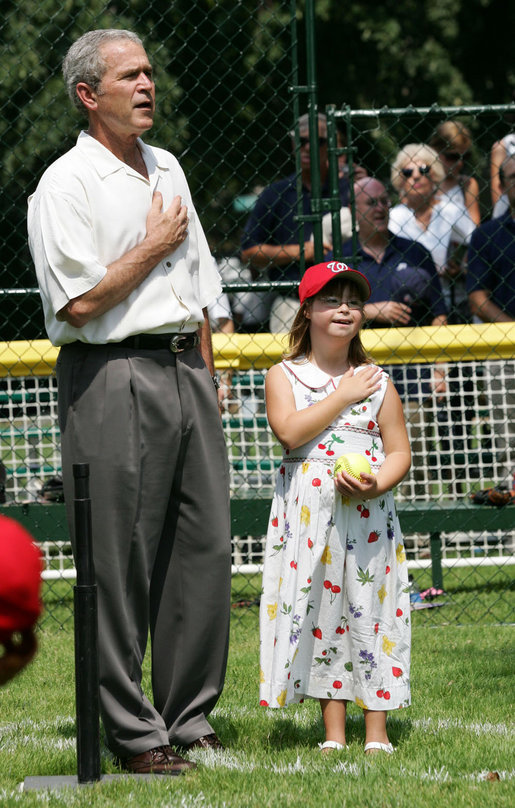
335 609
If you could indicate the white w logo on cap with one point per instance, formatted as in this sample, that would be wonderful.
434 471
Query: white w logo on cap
337 266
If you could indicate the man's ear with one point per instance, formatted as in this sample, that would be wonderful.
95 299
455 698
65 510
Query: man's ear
87 95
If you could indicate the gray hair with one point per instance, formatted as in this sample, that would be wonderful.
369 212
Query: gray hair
84 61
303 122
420 152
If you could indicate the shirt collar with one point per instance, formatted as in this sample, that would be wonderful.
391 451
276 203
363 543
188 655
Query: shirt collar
390 247
507 218
105 162
308 374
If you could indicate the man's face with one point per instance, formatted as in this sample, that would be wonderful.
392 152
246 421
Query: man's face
126 96
508 184
304 146
372 208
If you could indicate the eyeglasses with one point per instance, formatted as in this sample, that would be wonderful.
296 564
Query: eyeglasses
305 140
334 302
422 170
374 202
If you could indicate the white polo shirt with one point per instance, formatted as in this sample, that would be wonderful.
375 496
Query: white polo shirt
88 210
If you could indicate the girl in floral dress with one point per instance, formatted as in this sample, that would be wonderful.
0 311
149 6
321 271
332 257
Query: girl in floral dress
335 612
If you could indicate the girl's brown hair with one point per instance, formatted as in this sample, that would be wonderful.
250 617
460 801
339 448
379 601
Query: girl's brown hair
451 136
299 341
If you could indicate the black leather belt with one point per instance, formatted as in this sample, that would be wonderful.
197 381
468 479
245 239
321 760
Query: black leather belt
176 343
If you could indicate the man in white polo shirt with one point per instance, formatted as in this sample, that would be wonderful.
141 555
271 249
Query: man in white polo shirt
126 276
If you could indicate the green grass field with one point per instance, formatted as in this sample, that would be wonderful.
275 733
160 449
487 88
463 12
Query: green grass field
454 745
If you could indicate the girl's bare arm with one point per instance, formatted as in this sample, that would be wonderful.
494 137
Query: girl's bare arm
294 427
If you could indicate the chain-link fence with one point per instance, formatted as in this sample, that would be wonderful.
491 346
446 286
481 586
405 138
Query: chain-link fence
274 196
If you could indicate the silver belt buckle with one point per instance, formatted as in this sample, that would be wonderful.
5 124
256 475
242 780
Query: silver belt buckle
177 341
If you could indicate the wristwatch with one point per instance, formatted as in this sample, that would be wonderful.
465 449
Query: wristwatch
216 381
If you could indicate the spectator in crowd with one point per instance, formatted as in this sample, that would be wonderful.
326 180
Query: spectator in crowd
438 224
491 288
271 236
491 261
452 142
126 275
406 291
20 597
500 151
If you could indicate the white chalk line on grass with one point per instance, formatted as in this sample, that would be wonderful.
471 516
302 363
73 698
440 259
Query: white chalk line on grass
475 728
27 731
60 722
66 798
218 759
236 762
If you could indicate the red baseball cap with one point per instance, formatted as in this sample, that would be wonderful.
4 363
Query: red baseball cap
20 578
316 277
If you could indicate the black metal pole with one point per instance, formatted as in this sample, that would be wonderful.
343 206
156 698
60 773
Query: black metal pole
86 635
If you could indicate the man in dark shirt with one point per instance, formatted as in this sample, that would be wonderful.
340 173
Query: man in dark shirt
491 260
491 290
270 240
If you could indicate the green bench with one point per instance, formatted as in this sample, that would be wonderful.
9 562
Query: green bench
26 396
47 522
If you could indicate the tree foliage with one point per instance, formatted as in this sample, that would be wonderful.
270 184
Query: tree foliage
418 52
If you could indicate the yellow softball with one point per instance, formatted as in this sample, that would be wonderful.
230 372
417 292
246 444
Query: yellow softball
354 464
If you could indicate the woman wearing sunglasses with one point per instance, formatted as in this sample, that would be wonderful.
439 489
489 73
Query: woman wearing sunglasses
452 142
436 222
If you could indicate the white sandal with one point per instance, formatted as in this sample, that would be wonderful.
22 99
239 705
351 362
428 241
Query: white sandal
379 747
327 745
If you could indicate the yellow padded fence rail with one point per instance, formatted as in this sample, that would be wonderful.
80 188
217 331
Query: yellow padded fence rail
450 343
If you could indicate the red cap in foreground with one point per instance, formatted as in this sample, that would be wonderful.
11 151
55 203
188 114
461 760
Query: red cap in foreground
20 578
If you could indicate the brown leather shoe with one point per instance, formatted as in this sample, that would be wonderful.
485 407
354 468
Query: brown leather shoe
160 760
211 741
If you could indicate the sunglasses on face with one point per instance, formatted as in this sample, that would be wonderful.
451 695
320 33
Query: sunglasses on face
305 140
422 170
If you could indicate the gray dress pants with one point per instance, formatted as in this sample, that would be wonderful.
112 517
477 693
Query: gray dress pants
148 424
